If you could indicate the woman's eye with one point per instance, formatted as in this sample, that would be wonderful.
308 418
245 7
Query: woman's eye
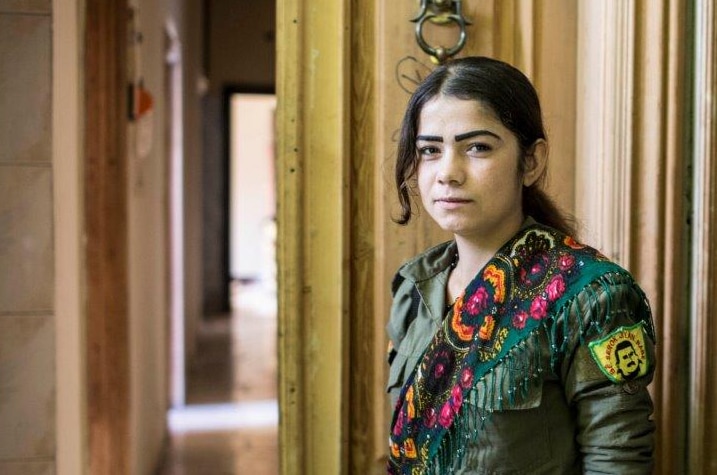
480 148
428 151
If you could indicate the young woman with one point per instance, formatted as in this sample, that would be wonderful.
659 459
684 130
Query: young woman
515 349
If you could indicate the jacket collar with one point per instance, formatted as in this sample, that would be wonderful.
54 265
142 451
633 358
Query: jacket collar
437 259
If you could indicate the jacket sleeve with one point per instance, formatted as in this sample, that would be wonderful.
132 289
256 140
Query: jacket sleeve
403 313
410 329
615 431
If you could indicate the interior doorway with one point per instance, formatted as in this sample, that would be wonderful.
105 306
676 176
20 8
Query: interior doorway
252 195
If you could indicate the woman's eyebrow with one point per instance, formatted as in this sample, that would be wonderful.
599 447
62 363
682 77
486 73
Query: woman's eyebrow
429 138
475 133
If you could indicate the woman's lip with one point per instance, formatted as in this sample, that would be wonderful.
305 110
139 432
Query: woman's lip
453 200
451 203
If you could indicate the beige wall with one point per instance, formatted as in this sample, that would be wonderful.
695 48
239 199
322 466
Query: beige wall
148 218
27 277
41 213
147 257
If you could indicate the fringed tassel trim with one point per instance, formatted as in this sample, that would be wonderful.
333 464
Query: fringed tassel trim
523 366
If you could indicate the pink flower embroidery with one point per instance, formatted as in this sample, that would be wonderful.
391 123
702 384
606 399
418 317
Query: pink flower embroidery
478 301
430 417
555 288
466 378
456 397
438 370
565 262
519 319
539 308
399 424
445 418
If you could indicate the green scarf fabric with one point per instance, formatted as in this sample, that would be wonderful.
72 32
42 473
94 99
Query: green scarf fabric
529 281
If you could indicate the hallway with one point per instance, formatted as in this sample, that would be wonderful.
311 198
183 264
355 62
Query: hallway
229 425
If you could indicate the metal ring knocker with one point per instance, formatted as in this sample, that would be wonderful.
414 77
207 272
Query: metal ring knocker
441 12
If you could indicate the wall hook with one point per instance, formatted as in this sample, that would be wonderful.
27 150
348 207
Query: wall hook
441 12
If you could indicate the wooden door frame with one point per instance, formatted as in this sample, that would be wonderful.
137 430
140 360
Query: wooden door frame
312 237
106 248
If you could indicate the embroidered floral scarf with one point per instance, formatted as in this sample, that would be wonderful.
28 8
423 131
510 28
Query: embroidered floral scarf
525 285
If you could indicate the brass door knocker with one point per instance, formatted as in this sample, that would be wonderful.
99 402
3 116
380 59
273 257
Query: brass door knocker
441 12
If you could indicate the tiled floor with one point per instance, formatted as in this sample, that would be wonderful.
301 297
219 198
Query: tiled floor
230 424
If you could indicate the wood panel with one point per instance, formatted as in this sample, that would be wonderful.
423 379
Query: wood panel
703 318
554 72
313 238
105 217
365 423
288 253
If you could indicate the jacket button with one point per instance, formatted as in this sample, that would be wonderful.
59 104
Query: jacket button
631 387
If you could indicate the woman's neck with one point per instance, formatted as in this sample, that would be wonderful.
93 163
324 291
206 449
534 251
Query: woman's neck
472 256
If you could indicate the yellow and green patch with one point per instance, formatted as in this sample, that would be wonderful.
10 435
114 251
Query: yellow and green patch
622 354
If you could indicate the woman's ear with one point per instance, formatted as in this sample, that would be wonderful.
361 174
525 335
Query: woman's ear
535 160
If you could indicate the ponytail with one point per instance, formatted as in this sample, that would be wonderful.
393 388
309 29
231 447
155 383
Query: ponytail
538 205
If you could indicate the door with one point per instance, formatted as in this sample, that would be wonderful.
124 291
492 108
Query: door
345 73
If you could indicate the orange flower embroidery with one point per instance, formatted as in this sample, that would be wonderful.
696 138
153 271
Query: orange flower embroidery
570 242
486 330
394 450
464 332
496 277
409 448
409 400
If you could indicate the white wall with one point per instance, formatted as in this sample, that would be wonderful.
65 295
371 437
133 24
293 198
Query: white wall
148 220
252 188
148 280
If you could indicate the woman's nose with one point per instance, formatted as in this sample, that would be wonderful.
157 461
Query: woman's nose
451 170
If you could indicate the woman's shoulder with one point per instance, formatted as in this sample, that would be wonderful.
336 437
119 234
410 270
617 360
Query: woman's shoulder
426 265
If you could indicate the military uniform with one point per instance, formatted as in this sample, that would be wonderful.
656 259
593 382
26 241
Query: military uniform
581 415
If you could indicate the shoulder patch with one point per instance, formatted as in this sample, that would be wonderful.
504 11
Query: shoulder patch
621 355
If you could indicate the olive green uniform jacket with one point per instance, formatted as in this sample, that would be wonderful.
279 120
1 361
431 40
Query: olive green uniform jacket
575 420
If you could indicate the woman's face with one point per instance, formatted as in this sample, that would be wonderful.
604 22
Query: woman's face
468 170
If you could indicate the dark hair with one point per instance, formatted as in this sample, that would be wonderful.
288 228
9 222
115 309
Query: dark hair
513 99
